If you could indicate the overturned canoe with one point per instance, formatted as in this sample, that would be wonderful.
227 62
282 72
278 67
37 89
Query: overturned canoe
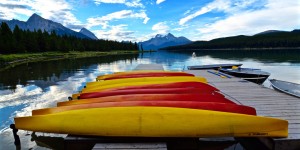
150 97
142 74
213 66
224 107
154 122
148 91
286 87
151 85
146 79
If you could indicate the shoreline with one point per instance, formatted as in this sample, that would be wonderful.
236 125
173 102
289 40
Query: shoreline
233 49
11 60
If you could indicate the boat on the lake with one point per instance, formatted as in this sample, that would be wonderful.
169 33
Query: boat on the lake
213 66
286 87
253 75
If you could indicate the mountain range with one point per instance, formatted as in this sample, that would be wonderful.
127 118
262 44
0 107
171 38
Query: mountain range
160 41
264 40
36 22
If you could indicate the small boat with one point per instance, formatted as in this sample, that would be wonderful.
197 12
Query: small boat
151 85
286 87
142 74
154 121
146 79
249 74
150 97
149 91
213 66
194 54
224 107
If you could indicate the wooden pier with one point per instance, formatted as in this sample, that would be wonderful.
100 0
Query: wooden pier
267 102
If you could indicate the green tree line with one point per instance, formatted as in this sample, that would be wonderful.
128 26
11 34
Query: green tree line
23 41
269 40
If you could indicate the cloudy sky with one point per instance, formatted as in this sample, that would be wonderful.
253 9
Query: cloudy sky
139 20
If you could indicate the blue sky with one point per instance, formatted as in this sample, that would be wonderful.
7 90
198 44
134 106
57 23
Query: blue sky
139 20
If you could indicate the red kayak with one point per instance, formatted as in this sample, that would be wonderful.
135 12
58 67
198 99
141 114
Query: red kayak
224 107
142 74
150 97
148 91
201 85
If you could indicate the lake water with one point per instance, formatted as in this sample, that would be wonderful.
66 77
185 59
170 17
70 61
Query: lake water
43 84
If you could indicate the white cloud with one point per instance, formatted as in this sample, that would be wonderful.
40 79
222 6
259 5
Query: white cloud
159 1
161 28
12 9
56 10
104 20
117 33
217 4
129 3
276 15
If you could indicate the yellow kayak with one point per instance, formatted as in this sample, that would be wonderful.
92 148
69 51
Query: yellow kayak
141 74
134 71
146 79
154 122
130 84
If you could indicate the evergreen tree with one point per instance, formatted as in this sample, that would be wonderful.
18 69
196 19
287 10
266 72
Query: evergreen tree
142 47
136 47
20 41
7 39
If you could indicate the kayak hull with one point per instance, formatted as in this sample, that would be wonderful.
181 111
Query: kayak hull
146 79
142 74
151 85
150 97
154 122
148 91
224 107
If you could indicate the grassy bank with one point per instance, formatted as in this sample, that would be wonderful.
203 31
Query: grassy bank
10 60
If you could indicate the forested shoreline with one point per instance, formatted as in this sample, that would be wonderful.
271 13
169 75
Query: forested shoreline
275 40
25 41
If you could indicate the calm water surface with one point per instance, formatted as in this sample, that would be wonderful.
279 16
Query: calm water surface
43 84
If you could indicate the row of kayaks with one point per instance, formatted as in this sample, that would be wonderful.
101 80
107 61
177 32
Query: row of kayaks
152 104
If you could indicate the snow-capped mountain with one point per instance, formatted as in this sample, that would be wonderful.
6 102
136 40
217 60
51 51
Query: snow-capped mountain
36 22
160 41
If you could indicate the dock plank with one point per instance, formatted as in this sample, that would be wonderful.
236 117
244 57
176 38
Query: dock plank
149 67
267 102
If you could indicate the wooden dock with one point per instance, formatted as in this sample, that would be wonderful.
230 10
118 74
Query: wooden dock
267 102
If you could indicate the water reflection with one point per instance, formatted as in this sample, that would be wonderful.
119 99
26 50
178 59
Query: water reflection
40 85
48 72
265 56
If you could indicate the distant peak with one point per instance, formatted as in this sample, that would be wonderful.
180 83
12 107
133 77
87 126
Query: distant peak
88 33
34 17
164 35
83 29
